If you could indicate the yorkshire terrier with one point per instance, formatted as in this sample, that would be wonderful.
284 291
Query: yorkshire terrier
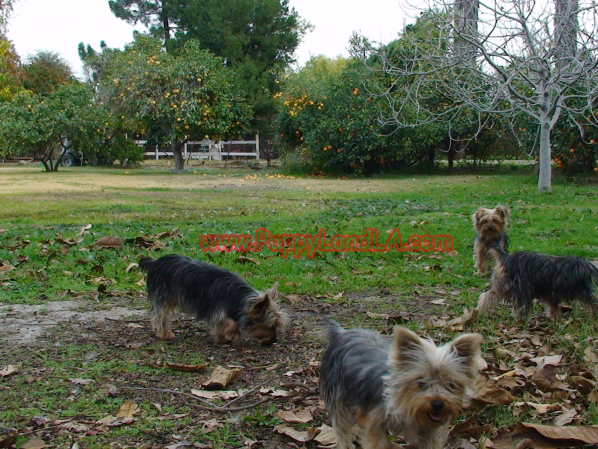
217 296
406 387
489 227
520 277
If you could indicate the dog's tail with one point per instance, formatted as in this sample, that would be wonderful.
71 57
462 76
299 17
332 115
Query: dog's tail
145 263
332 329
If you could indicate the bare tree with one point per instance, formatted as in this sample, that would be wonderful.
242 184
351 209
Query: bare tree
518 57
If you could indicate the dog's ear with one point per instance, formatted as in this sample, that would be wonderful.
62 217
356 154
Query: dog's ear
502 211
467 345
478 215
272 292
404 341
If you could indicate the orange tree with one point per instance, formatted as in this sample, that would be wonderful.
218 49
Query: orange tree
174 97
329 123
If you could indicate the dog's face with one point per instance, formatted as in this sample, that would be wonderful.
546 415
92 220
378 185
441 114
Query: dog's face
491 222
264 317
431 383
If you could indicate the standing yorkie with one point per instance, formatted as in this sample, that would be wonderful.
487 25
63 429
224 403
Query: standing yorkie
489 227
408 386
221 298
520 277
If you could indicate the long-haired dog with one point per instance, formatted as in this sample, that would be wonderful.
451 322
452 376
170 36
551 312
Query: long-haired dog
521 277
407 386
490 229
223 299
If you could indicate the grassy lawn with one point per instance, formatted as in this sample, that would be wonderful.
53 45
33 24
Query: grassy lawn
42 215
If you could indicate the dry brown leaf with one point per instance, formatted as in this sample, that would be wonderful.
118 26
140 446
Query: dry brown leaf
302 417
109 242
578 434
6 268
581 384
565 418
540 408
9 370
79 381
593 397
35 443
298 435
208 394
590 355
377 316
293 298
325 435
131 266
488 393
221 378
547 360
127 410
438 302
244 259
280 393
210 425
186 368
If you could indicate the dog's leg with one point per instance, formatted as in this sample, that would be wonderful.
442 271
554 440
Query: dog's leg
160 319
479 258
375 435
487 300
342 425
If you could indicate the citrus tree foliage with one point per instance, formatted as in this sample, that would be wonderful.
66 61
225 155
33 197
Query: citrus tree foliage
174 97
10 71
256 38
46 71
44 126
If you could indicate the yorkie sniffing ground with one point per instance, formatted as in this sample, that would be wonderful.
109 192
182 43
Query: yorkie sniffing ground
520 277
406 387
223 299
489 227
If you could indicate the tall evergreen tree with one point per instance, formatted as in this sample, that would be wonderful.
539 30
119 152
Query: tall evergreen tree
154 14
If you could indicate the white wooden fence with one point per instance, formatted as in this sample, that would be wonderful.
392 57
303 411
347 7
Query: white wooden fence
210 149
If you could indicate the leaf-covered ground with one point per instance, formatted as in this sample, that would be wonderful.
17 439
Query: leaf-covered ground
80 367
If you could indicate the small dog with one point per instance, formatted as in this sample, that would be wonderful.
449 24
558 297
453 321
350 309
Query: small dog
223 299
408 386
520 277
489 227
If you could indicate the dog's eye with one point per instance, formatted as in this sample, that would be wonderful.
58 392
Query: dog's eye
452 386
422 384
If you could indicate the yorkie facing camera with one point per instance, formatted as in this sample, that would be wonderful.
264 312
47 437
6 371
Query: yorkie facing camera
489 227
520 277
223 299
406 387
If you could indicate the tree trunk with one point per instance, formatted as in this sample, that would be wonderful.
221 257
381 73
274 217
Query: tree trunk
545 177
177 149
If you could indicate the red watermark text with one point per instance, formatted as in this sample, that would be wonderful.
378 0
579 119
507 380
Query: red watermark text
308 245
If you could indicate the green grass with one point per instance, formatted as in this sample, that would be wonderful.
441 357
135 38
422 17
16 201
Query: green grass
32 224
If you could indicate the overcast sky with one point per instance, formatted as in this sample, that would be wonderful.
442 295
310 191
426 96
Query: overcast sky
59 25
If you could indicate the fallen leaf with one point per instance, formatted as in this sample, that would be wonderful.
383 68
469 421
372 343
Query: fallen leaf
293 298
186 368
377 316
578 434
547 360
220 378
35 443
298 435
209 394
244 259
127 410
590 355
325 435
131 266
80 381
6 268
109 242
9 370
565 418
438 302
540 408
210 425
302 417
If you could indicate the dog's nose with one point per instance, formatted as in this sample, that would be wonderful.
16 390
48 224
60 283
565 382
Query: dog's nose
437 406
490 228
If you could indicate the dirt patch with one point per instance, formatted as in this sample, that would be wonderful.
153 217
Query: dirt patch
24 324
